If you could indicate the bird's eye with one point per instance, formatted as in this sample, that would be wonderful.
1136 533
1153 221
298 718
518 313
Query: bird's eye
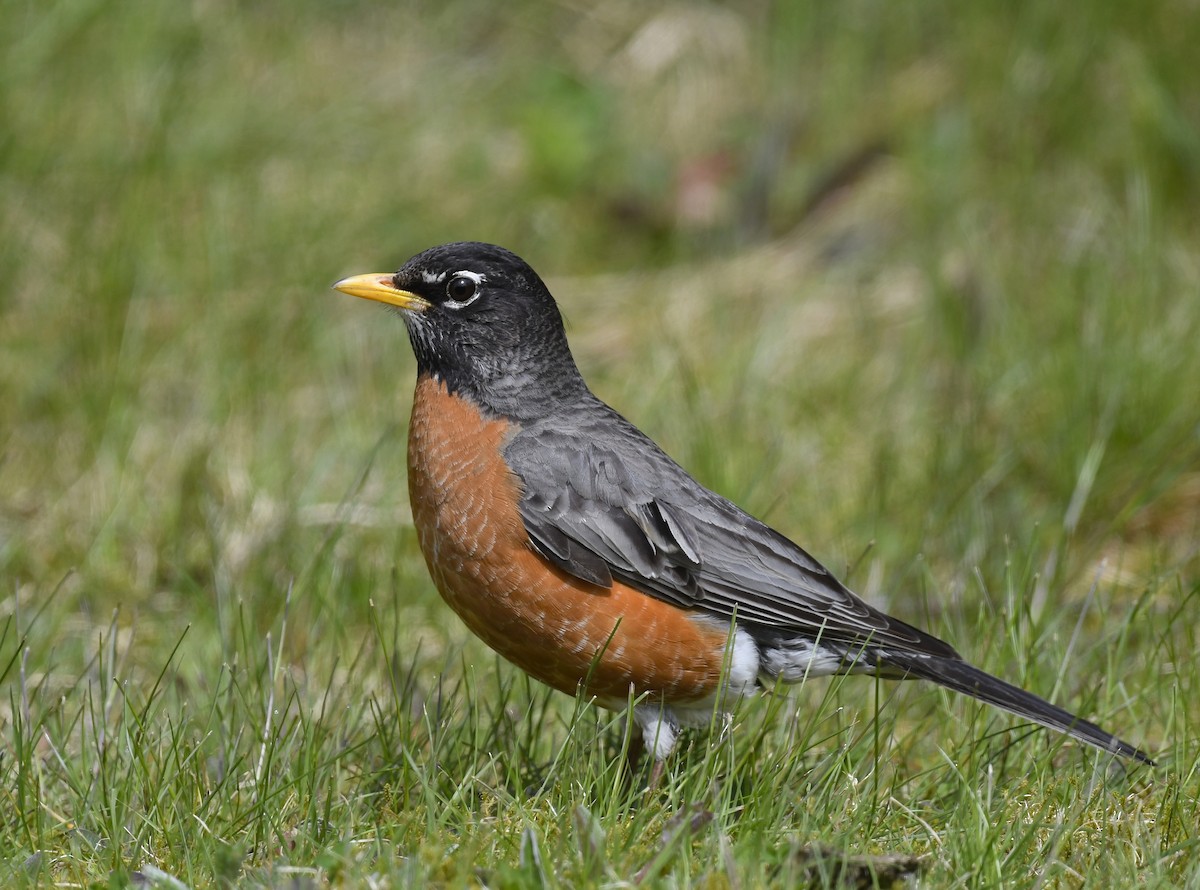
461 288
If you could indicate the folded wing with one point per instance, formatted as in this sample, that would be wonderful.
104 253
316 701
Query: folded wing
620 508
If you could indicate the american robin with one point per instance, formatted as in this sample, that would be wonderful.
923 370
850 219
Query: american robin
576 548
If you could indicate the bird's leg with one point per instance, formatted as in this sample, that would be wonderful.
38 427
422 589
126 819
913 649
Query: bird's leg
656 774
634 753
660 732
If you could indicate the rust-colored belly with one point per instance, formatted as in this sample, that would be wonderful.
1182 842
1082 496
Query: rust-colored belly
559 629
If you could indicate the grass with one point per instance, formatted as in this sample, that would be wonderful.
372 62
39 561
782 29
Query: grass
917 283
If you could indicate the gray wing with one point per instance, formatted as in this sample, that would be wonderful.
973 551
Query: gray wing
602 501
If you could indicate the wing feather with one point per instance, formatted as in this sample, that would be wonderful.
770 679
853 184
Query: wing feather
601 506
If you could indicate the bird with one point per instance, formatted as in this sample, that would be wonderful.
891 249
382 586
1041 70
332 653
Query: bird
576 548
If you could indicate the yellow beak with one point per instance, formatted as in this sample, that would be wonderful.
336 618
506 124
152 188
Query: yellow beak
378 286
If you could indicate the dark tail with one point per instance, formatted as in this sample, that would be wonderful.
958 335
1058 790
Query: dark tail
960 676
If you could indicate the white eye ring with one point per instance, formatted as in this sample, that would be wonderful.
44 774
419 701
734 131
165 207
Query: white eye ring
474 278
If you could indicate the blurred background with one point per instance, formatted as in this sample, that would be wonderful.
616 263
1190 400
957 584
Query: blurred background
918 283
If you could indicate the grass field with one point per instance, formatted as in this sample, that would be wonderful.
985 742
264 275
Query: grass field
917 283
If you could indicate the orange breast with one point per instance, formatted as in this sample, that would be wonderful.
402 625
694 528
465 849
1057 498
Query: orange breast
559 629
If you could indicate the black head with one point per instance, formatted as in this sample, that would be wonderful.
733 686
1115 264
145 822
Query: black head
482 321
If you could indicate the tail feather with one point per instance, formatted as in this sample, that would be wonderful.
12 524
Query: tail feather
962 677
